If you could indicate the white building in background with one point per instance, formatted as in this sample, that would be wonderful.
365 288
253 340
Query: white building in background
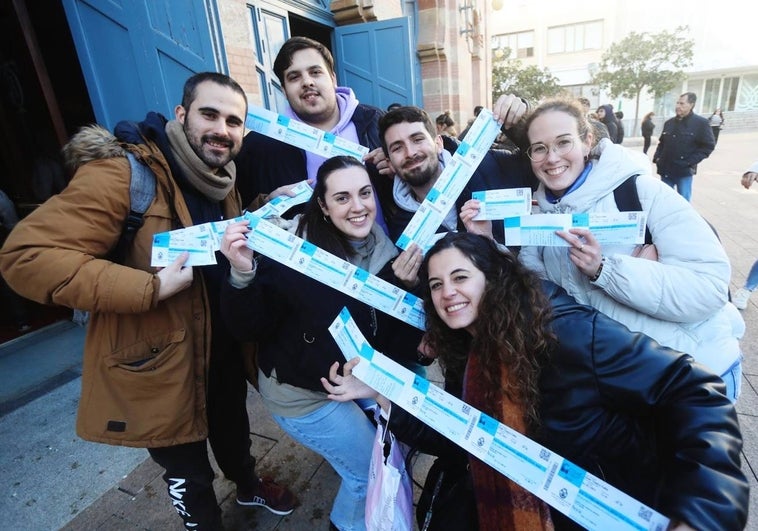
569 38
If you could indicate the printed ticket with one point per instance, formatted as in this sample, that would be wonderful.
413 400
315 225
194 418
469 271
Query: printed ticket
503 203
301 135
197 240
202 241
292 251
451 182
609 228
282 203
301 255
584 498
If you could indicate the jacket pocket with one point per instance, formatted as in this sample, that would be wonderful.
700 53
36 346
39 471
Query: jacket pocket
147 354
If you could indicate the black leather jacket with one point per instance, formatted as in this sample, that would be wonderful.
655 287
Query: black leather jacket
646 419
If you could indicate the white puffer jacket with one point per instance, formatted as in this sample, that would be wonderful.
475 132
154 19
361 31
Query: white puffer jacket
680 300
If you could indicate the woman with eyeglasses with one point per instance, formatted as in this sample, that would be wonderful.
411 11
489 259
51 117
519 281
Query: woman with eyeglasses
680 296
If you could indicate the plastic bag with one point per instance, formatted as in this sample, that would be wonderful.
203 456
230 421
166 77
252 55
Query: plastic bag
389 501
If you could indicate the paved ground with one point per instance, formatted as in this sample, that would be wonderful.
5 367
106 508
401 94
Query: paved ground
52 480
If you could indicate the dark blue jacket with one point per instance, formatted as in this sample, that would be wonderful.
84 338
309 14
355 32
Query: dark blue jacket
644 418
289 314
682 145
264 164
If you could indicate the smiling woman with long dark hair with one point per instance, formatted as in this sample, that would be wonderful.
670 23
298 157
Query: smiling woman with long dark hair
288 314
646 419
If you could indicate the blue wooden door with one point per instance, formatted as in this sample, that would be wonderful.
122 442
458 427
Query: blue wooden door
271 30
137 54
377 61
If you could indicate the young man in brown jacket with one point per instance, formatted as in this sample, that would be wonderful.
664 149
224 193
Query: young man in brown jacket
160 370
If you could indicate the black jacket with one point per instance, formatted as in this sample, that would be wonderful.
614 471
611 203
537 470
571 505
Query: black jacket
647 127
646 419
682 145
612 124
498 169
264 164
289 314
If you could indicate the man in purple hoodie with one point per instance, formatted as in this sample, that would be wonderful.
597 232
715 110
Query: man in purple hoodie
266 167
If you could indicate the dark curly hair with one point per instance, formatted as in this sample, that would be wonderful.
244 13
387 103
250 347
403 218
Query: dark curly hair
513 328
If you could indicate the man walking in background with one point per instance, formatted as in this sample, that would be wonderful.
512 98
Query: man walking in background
686 140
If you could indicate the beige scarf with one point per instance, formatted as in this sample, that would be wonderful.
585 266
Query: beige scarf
211 182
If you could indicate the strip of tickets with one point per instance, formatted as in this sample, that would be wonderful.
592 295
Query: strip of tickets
202 241
441 198
301 135
609 228
584 498
301 255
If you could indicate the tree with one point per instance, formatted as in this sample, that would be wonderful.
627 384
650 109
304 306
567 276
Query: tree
645 60
530 82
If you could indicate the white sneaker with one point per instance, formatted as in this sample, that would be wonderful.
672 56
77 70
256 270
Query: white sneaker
740 298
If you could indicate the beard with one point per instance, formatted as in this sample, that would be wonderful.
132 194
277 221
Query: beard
421 175
200 145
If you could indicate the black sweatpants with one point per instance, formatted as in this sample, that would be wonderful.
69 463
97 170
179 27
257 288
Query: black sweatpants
189 475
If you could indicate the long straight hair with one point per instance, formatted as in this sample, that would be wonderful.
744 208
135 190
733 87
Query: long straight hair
314 226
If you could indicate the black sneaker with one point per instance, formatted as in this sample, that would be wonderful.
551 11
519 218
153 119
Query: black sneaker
277 499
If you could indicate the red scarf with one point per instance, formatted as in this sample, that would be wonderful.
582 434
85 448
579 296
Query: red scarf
501 503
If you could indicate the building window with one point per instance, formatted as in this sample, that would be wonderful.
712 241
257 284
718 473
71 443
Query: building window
720 93
575 37
521 44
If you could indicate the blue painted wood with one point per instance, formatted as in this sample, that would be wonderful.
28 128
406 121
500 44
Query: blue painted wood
377 61
271 29
137 54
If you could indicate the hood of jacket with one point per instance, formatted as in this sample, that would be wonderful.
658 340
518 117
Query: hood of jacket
91 142
609 116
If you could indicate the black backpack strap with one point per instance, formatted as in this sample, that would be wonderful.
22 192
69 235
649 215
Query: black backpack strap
141 194
628 200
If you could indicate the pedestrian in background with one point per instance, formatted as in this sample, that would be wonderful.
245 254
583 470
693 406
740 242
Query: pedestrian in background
611 123
647 128
716 121
620 118
477 110
446 125
686 140
743 294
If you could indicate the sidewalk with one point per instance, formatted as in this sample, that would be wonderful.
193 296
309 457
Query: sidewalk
67 491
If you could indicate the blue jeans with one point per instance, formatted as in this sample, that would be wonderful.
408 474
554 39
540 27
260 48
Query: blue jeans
752 278
683 185
342 434
733 380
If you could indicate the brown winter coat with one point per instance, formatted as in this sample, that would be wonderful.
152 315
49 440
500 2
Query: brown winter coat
145 362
